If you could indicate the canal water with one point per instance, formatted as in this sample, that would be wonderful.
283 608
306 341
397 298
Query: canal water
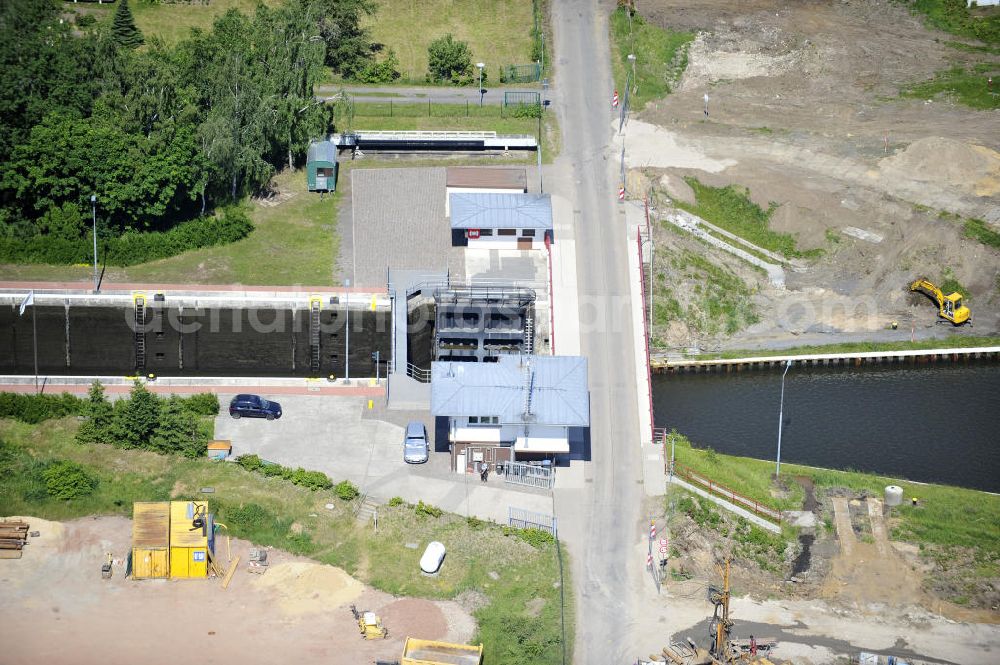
932 423
262 341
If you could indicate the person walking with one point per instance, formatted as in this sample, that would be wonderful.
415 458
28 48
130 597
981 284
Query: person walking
485 472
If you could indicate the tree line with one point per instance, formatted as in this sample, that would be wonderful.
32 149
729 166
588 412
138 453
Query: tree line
160 134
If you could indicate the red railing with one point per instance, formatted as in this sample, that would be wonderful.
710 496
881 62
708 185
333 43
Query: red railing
724 492
647 325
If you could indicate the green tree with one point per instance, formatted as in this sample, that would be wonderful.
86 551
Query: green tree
348 44
385 70
123 27
44 67
449 59
135 420
177 431
68 480
97 427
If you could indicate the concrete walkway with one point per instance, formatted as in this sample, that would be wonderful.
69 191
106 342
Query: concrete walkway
879 532
842 519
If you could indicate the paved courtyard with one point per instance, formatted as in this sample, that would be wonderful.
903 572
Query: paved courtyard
398 220
342 438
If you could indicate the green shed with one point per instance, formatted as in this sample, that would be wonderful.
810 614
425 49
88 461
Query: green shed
321 166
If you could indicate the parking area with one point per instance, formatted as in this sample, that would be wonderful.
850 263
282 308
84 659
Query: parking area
343 438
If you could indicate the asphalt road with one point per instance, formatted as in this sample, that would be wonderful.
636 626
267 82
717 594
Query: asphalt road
600 521
436 94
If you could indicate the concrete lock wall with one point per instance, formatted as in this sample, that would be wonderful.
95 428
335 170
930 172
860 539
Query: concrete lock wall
233 341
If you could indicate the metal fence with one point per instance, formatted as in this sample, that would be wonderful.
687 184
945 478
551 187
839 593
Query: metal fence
514 98
526 519
519 473
521 73
724 492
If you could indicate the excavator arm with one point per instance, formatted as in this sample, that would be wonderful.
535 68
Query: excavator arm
950 306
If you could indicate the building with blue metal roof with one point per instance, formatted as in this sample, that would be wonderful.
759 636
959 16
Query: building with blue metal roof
518 408
500 221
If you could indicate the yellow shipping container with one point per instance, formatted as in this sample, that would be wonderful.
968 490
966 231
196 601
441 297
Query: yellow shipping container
150 540
189 543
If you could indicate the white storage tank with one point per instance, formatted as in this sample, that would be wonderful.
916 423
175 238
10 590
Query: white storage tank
893 495
430 562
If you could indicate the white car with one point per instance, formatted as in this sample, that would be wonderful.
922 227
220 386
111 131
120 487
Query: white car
415 447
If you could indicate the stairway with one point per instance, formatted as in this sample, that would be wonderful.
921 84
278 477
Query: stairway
314 350
529 335
366 510
140 333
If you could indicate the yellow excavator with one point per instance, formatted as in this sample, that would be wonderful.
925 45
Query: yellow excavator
950 307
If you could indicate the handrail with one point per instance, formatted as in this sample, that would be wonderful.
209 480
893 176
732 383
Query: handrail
418 373
728 494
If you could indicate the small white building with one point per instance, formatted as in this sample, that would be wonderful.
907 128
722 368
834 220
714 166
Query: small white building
500 221
516 409
483 180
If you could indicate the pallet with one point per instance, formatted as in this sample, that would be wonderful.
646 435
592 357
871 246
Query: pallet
10 554
231 572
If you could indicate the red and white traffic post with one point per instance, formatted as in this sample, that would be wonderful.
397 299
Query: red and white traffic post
614 100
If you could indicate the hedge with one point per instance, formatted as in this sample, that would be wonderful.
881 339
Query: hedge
31 408
132 247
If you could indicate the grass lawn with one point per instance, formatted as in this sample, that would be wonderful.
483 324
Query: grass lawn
498 31
661 56
294 242
947 516
956 342
173 22
263 510
965 86
409 117
732 209
953 16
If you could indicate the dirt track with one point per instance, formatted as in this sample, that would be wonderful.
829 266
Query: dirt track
804 112
55 608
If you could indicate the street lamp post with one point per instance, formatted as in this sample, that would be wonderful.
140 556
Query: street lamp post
93 209
347 331
480 66
781 410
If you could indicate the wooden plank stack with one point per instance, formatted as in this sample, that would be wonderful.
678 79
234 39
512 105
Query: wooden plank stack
13 536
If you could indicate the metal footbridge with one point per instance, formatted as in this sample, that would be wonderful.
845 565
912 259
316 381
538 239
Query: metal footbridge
433 140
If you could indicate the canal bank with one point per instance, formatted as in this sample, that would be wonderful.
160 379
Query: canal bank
930 423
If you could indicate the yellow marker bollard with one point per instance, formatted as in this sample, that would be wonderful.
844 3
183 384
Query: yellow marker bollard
371 404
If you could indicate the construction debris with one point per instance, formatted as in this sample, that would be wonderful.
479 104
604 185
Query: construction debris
13 538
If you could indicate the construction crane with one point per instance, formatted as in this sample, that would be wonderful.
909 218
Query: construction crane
950 307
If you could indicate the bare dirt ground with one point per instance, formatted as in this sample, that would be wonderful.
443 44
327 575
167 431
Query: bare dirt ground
857 591
55 608
804 111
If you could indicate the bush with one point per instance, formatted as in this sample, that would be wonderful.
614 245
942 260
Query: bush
526 111
36 408
250 462
249 516
346 490
537 538
396 501
448 59
85 20
132 247
382 71
427 510
68 480
202 404
314 480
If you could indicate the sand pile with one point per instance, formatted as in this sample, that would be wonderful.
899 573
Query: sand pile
970 168
304 587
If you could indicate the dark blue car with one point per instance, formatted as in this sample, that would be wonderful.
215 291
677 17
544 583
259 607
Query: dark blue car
254 406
